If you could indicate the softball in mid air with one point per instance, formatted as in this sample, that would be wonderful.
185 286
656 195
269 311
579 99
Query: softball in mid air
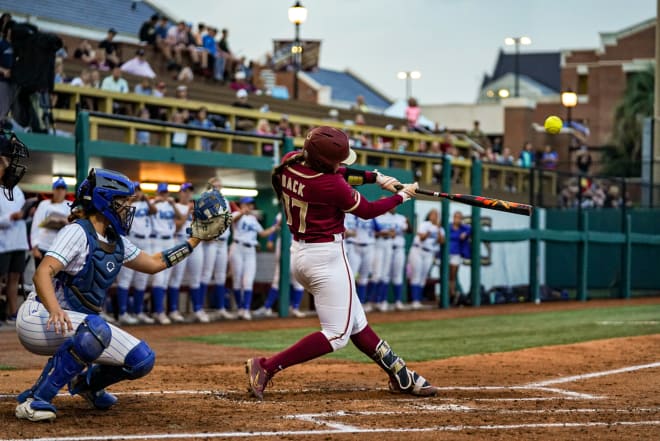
553 124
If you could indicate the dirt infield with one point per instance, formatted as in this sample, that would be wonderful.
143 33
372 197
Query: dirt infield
599 390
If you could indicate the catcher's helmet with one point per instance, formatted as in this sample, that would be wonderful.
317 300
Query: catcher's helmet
100 190
325 147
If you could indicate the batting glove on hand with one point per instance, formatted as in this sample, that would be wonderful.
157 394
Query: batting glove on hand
211 216
386 182
408 191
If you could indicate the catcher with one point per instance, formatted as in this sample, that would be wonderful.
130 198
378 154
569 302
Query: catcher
60 318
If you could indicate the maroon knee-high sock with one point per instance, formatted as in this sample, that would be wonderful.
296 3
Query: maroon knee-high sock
366 341
309 347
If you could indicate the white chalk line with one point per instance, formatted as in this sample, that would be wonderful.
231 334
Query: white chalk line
348 429
574 378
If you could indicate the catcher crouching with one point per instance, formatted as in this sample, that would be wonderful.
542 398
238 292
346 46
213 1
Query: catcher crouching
61 318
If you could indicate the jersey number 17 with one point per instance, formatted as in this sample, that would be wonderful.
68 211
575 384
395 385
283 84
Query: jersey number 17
297 224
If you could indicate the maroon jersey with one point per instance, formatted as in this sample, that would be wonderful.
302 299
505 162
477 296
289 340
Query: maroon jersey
315 203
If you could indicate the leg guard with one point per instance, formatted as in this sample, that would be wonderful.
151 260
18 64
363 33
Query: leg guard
91 385
87 344
402 379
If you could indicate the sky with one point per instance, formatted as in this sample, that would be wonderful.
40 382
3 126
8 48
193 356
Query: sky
451 42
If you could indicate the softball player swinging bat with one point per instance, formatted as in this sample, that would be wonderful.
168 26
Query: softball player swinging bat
315 193
60 318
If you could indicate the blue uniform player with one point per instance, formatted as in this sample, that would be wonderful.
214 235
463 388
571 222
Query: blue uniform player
60 319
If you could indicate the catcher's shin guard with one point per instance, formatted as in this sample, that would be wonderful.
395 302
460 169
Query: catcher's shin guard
402 379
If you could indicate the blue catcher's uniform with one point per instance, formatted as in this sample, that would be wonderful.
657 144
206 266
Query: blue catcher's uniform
95 354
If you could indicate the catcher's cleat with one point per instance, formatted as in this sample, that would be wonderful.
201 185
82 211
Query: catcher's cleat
35 410
100 399
419 387
258 377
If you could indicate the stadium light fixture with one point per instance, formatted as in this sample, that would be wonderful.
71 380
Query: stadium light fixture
517 41
409 76
297 16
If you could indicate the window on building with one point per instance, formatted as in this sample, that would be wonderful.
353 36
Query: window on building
583 84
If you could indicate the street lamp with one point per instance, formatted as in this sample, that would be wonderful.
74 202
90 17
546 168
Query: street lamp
517 41
569 100
297 16
409 76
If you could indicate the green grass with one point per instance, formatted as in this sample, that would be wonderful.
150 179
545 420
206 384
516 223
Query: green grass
6 368
438 339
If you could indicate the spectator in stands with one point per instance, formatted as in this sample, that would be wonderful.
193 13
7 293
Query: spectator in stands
86 53
230 60
144 88
360 105
549 159
583 159
185 75
488 155
497 145
412 113
161 90
242 100
179 138
109 56
115 82
83 80
359 120
264 128
613 198
447 141
478 135
179 40
216 60
284 127
182 92
526 158
143 137
59 71
240 82
161 36
201 120
506 158
6 64
138 66
95 77
147 32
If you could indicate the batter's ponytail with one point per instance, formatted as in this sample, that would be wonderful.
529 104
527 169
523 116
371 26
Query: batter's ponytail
276 177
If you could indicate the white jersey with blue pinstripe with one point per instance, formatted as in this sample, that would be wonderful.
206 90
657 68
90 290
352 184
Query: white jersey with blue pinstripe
71 249
246 229
142 219
163 220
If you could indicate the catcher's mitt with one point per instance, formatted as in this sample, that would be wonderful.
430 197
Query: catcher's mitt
211 216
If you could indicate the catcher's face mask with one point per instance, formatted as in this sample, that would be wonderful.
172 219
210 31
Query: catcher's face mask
13 161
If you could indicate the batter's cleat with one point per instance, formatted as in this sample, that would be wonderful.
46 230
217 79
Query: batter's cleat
201 316
127 319
419 388
100 399
176 317
297 313
162 319
35 410
258 378
144 318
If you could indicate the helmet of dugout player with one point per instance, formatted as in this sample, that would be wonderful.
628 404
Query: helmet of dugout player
326 147
101 189
16 153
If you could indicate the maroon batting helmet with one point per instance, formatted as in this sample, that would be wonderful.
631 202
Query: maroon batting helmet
325 147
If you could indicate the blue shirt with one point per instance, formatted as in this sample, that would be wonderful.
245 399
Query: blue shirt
210 45
456 245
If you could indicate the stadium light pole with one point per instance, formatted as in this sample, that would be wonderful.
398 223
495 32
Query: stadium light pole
297 16
409 76
517 41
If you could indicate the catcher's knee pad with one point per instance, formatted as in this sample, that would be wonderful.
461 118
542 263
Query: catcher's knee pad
92 336
139 361
393 365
